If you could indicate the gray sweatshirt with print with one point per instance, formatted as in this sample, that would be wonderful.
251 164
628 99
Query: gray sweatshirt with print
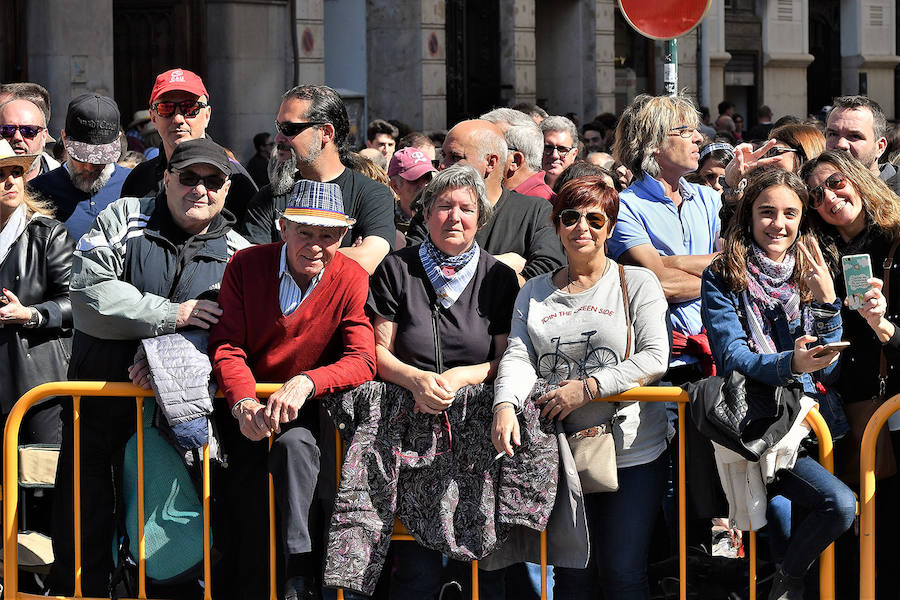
558 335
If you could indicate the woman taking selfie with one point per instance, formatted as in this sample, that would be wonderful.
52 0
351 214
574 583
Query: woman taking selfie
764 299
856 213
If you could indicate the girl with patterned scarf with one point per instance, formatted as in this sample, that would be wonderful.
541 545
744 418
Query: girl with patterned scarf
769 306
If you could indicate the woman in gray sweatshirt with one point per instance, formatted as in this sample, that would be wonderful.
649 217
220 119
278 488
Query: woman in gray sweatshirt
570 328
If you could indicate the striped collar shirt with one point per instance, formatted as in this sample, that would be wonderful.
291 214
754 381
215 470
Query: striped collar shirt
290 296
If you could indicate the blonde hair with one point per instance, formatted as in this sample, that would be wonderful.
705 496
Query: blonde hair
37 204
644 126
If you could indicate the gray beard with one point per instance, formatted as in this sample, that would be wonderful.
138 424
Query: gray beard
89 183
281 174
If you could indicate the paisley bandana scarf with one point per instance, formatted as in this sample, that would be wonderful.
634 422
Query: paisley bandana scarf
449 275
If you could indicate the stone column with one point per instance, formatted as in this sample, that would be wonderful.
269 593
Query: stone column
718 57
310 27
249 66
605 36
407 75
517 46
785 45
434 66
70 50
868 49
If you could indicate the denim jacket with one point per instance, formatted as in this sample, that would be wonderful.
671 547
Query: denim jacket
722 312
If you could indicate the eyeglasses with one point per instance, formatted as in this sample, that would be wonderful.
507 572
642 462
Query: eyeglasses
684 131
189 108
778 151
835 181
212 183
550 149
290 129
569 217
28 131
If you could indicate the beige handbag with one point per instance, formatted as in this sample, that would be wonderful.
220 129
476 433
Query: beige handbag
594 448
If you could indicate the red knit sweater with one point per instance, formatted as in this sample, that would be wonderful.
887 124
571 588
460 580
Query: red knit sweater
328 337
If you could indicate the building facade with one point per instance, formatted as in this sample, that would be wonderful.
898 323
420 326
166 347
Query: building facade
430 63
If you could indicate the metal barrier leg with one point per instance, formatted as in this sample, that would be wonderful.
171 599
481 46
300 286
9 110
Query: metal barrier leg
474 580
207 561
142 552
544 565
752 553
682 506
273 584
867 497
76 487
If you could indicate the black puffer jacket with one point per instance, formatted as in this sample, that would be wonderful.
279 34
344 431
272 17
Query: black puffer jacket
37 270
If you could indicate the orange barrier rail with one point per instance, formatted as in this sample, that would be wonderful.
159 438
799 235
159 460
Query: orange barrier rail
113 389
640 394
77 389
867 497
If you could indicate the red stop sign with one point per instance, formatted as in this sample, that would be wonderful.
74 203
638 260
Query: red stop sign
664 19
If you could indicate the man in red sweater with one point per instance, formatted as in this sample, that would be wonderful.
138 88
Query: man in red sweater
293 312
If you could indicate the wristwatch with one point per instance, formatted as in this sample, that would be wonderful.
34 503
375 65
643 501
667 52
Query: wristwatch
34 320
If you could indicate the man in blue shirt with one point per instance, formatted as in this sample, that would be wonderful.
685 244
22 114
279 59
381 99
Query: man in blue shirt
666 224
90 179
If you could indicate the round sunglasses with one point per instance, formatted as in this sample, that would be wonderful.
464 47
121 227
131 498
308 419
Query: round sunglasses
835 181
569 217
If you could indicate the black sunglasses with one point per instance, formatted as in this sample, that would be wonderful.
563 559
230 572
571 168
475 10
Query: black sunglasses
290 129
212 183
189 108
28 131
778 151
835 181
569 217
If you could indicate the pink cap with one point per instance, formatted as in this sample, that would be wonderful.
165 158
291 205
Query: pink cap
181 80
410 164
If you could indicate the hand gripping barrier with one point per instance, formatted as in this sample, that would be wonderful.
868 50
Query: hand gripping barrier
77 389
867 497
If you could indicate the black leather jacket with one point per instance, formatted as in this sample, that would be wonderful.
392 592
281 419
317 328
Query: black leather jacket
37 270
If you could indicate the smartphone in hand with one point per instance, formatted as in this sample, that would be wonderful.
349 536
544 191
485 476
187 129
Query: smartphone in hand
857 272
830 348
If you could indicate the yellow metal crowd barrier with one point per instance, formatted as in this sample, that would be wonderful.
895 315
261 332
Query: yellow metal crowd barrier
78 389
867 497
826 559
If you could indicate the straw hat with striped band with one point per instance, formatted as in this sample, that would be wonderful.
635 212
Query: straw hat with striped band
316 203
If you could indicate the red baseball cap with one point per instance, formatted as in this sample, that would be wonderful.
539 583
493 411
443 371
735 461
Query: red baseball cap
180 80
410 164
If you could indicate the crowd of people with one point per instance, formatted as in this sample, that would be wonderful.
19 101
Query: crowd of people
452 304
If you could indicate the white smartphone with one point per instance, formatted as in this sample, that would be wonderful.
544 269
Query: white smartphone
831 348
